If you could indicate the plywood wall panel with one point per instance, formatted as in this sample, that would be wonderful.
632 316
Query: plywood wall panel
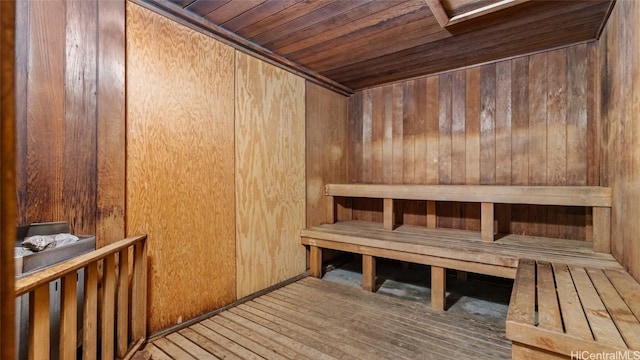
326 144
511 122
270 174
180 161
619 103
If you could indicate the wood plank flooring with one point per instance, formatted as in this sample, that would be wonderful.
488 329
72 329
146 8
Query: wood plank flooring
316 319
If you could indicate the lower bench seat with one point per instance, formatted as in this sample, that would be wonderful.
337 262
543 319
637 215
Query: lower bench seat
560 311
444 248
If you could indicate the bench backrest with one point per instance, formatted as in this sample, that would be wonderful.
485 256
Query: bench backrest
597 197
505 194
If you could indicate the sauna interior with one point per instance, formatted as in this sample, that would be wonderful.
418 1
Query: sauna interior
231 156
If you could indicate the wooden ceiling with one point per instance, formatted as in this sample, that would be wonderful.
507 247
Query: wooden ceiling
363 43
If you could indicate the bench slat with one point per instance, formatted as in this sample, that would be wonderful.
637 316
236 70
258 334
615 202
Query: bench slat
459 244
624 319
523 297
573 317
533 195
627 287
548 308
488 269
603 328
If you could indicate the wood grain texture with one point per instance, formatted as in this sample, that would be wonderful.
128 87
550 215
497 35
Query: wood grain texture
326 143
619 80
180 178
292 323
69 316
364 43
270 174
79 157
7 177
521 121
71 118
90 312
39 328
111 124
45 112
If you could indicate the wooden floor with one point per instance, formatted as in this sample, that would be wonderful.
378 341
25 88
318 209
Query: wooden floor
316 319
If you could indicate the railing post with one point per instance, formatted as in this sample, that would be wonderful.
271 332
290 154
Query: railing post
69 316
139 298
39 341
108 307
123 303
90 325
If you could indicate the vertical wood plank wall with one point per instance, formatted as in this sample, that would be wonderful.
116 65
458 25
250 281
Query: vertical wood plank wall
326 150
619 74
7 179
525 121
73 53
270 174
326 133
180 160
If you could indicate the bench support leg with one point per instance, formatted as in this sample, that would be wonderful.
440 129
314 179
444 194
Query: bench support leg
368 273
331 210
602 229
486 222
389 214
438 287
431 214
315 262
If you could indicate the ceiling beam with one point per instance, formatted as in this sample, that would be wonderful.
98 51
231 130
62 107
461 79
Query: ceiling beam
444 20
438 11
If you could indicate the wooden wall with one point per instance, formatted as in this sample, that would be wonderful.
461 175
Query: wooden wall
69 89
619 56
180 165
7 180
326 114
525 121
270 174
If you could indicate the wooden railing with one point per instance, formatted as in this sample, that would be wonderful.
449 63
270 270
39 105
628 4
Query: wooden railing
123 287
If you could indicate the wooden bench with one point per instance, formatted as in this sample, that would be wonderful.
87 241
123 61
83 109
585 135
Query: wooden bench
560 311
459 249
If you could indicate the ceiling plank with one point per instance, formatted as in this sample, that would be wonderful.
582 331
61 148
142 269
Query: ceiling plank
231 10
375 18
369 42
204 7
258 13
307 20
282 18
